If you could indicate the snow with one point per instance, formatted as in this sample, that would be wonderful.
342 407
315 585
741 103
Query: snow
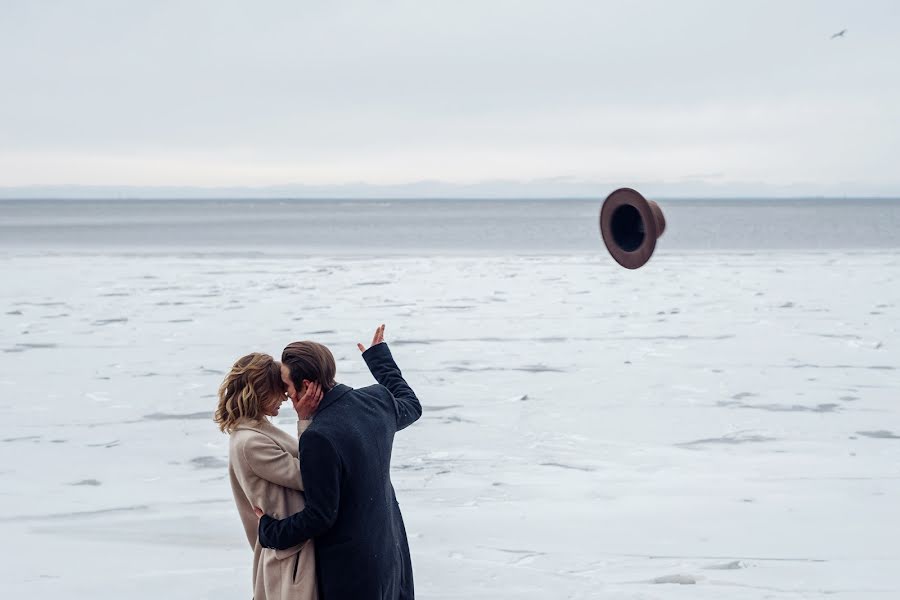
712 425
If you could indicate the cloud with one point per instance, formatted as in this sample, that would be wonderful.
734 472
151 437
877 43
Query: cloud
249 94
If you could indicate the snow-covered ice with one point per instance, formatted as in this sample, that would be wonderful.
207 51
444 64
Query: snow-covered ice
715 425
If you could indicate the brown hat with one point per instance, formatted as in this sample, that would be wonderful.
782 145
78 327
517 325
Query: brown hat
630 225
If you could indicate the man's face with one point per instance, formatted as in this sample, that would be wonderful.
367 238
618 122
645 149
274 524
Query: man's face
288 384
292 392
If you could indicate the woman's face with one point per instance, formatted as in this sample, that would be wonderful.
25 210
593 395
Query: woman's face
274 405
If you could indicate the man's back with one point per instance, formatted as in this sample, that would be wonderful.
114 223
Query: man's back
362 544
345 456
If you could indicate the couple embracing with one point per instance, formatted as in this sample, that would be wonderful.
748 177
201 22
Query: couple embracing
321 515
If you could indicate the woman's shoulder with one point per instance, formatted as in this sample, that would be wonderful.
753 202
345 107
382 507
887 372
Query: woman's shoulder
255 433
247 432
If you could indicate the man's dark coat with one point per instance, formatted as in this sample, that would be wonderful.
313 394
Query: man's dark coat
351 510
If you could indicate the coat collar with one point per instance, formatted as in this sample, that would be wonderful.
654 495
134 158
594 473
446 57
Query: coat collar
266 428
260 426
333 395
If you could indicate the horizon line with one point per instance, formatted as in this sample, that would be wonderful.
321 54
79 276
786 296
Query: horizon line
544 198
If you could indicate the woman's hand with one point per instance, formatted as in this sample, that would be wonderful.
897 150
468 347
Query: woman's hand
378 339
259 513
307 404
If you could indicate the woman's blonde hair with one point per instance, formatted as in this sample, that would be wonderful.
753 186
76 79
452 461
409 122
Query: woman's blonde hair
253 381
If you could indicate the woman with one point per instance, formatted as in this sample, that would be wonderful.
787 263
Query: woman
265 470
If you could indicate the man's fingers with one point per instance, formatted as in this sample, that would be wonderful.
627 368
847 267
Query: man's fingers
259 512
312 394
377 338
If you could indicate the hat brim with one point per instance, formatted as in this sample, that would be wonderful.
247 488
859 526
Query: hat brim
628 197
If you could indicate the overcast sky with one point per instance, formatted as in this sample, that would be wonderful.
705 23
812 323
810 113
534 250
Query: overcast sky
260 93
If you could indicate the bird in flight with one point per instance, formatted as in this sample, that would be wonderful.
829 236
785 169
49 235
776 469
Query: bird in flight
839 34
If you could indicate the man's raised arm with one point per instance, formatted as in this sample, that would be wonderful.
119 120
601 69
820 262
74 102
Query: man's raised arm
387 373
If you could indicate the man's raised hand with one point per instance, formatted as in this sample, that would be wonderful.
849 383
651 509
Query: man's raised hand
379 338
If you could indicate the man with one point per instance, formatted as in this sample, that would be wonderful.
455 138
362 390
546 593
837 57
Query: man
345 457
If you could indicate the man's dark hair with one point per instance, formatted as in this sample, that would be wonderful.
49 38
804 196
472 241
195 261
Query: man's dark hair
310 361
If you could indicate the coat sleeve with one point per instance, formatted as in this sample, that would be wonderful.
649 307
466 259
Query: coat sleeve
387 373
269 461
323 469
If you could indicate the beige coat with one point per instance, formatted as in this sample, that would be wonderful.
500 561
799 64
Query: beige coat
265 472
